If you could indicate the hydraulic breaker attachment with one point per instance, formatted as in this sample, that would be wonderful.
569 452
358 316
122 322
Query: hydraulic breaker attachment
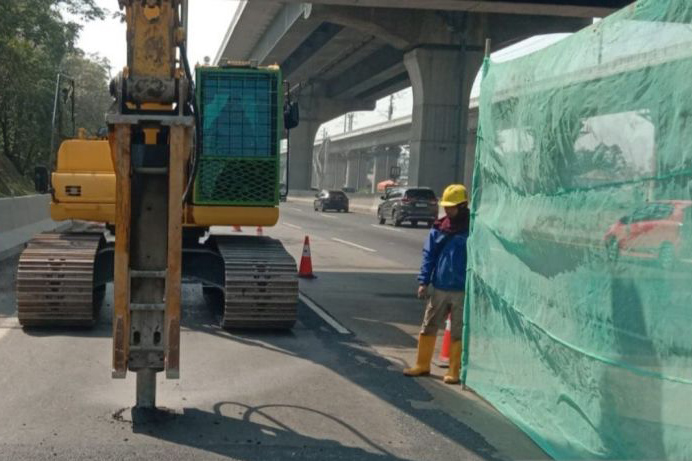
151 139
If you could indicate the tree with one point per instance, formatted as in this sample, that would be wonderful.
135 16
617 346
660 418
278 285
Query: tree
35 37
91 74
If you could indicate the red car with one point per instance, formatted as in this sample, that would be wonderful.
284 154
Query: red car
654 231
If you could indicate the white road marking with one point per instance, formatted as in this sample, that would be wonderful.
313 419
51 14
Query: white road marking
324 315
327 216
292 226
383 227
355 245
295 209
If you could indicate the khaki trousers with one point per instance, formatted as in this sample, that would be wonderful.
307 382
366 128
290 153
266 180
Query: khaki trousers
440 304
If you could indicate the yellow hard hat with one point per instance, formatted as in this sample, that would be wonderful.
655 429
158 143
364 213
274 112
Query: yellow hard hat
454 194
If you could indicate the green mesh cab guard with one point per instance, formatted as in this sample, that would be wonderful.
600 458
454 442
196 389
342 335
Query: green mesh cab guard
241 125
579 296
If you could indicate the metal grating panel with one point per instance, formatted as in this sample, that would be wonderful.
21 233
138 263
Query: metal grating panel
241 126
229 181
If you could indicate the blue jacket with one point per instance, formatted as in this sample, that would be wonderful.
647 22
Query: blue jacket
444 266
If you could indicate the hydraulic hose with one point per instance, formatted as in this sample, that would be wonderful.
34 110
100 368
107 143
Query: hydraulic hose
194 161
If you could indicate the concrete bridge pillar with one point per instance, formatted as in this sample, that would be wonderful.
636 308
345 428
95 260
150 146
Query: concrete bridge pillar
471 141
441 77
352 169
315 109
340 172
365 167
334 172
384 161
380 173
357 170
302 139
282 168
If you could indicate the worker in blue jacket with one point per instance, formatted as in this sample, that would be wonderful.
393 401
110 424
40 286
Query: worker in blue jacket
444 267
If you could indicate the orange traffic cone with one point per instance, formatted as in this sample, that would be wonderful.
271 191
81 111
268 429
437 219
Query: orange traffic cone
259 230
443 359
305 270
237 229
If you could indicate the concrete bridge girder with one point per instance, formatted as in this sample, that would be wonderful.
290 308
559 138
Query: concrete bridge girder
402 29
348 53
405 29
442 54
382 140
577 9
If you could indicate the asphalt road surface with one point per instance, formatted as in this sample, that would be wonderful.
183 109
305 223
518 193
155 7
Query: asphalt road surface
394 247
328 390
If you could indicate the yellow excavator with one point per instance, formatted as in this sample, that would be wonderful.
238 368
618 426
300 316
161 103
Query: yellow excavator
179 158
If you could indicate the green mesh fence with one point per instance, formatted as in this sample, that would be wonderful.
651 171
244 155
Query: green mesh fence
241 123
579 325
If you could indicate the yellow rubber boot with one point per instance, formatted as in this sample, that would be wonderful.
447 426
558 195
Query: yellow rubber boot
426 349
452 375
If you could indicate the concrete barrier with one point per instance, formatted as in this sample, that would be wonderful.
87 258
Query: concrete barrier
356 202
360 203
21 218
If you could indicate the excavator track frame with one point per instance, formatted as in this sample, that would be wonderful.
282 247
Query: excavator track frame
57 284
260 283
251 282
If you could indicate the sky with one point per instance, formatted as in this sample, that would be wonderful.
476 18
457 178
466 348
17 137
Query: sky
208 22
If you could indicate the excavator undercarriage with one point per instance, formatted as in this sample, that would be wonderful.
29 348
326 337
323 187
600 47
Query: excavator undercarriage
57 280
251 282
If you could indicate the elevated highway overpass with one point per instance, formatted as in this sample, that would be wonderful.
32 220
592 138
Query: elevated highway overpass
363 157
342 55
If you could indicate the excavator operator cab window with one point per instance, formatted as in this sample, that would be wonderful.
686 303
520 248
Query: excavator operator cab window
241 116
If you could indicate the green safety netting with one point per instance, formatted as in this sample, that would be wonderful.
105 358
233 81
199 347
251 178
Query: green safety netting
579 326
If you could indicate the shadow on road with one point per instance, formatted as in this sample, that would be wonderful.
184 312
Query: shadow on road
360 364
242 437
378 303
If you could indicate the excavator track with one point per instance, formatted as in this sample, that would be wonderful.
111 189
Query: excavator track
55 280
261 284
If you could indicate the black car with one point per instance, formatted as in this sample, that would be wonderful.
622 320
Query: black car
331 200
412 204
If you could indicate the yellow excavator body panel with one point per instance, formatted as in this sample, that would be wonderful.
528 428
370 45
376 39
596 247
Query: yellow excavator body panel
84 189
84 173
205 216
